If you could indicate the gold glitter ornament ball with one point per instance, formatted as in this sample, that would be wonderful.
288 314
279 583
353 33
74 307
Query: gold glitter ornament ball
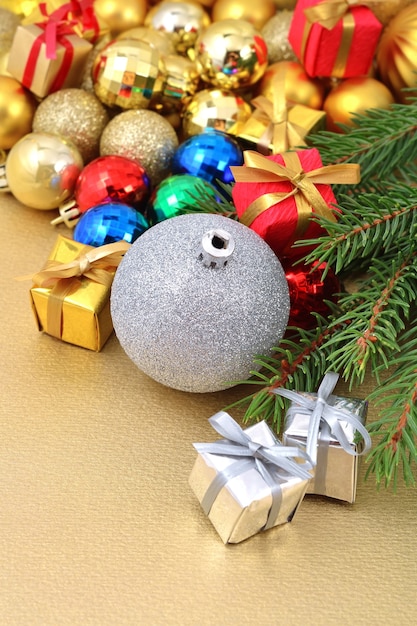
231 54
8 25
127 74
182 21
146 137
257 13
396 56
17 108
76 114
354 95
215 108
42 169
120 15
275 34
299 87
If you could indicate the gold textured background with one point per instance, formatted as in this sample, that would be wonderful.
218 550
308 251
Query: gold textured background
98 525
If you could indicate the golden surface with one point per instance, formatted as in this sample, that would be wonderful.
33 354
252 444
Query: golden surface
98 525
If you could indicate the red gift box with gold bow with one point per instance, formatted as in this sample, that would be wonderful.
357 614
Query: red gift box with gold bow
277 196
335 38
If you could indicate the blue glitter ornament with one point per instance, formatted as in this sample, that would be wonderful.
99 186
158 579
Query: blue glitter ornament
109 222
209 156
175 195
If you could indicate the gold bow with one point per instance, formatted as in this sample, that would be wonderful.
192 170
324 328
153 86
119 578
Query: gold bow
63 278
259 169
329 12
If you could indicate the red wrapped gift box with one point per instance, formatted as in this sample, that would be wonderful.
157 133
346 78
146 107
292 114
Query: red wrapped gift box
333 38
277 195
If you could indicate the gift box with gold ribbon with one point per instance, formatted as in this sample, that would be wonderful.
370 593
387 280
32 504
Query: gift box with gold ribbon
331 430
248 482
277 196
71 295
48 56
335 38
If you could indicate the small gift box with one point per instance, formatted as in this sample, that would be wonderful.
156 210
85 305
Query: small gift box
71 295
277 196
327 428
44 60
334 38
248 481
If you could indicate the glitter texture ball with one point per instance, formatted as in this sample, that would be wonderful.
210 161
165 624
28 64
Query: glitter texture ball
215 108
176 194
144 136
112 178
109 222
187 324
209 156
42 169
231 54
76 114
275 34
127 73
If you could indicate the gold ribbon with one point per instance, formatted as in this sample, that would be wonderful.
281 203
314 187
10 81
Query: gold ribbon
327 14
64 278
282 133
259 169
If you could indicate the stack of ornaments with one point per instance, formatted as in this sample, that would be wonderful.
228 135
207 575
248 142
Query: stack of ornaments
126 120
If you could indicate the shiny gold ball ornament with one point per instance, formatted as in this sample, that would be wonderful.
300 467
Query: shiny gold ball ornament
299 87
396 55
275 33
231 54
42 169
354 95
120 15
155 38
183 21
17 108
257 13
76 114
181 83
127 74
144 136
215 108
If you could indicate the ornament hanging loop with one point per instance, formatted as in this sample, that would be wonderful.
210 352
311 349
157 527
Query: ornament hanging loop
216 248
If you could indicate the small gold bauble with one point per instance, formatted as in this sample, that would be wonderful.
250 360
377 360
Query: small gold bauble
76 114
155 38
396 55
121 15
231 54
257 13
299 87
354 95
42 169
144 136
182 20
17 108
215 108
181 83
127 73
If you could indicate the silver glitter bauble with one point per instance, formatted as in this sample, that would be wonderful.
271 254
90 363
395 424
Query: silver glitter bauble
76 114
275 34
196 298
144 136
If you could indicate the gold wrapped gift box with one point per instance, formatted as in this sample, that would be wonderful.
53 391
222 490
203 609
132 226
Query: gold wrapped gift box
242 506
82 315
336 473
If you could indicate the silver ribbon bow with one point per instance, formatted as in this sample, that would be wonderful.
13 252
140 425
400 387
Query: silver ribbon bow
249 454
325 419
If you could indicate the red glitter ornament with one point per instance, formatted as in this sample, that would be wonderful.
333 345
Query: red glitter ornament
308 291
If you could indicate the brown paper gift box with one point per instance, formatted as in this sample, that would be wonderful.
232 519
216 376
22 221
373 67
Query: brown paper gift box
85 318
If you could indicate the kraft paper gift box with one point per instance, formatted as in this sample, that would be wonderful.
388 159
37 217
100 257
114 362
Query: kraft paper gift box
337 465
334 38
238 495
76 308
30 64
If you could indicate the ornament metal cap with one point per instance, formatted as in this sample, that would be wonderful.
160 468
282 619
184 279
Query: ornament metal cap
216 248
4 185
68 214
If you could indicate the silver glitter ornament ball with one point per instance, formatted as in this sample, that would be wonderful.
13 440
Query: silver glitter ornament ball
196 298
